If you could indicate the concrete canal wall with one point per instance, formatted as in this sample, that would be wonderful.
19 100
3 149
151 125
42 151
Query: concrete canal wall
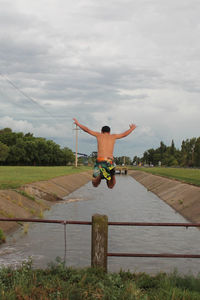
184 198
43 194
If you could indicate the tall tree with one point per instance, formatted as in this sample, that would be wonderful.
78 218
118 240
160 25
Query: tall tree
4 151
197 153
68 156
172 148
162 149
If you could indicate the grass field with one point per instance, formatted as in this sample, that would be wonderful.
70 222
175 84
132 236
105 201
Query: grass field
191 176
13 177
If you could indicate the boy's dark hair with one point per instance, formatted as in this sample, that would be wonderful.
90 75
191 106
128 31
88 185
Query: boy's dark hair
105 129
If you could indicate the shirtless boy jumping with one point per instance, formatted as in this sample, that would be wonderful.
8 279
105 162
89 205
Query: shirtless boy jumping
104 167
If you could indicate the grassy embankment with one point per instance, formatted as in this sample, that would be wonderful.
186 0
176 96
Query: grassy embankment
59 282
14 177
191 176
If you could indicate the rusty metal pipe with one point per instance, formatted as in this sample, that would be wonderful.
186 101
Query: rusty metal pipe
109 223
167 255
45 221
153 224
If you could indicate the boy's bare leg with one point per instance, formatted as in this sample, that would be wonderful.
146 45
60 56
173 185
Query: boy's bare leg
111 183
96 181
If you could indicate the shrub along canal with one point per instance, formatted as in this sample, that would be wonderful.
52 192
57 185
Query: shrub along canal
129 201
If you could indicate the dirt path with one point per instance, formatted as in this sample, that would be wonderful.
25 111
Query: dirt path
43 194
184 198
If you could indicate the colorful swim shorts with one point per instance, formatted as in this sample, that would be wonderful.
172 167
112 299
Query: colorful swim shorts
104 168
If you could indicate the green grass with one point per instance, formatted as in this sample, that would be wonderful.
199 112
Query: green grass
191 176
14 177
60 282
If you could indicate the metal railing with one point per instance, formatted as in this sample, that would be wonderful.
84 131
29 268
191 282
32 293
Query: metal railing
151 224
99 246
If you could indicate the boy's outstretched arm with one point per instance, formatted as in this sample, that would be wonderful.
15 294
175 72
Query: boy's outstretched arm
84 128
125 133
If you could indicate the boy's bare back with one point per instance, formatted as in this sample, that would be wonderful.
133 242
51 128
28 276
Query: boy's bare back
105 142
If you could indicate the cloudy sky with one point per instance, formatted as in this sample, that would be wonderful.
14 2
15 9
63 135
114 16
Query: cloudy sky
108 62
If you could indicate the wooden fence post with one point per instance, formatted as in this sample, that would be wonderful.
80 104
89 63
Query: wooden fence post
99 241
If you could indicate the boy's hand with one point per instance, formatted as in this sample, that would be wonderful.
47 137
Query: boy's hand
132 126
75 121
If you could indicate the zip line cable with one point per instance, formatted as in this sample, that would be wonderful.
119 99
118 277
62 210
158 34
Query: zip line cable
24 94
27 96
19 90
36 103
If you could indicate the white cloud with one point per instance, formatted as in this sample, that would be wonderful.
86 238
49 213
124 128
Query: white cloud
110 62
42 129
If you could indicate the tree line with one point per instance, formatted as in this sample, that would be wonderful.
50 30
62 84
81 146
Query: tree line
17 148
187 156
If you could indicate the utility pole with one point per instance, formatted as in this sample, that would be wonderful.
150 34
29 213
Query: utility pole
76 160
76 154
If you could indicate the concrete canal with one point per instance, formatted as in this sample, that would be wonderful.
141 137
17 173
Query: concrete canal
129 201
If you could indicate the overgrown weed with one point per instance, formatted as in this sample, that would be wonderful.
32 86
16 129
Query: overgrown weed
60 282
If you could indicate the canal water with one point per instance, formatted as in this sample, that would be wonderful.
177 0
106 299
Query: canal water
129 201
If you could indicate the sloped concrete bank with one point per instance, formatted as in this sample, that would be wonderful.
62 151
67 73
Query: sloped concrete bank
184 198
32 199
